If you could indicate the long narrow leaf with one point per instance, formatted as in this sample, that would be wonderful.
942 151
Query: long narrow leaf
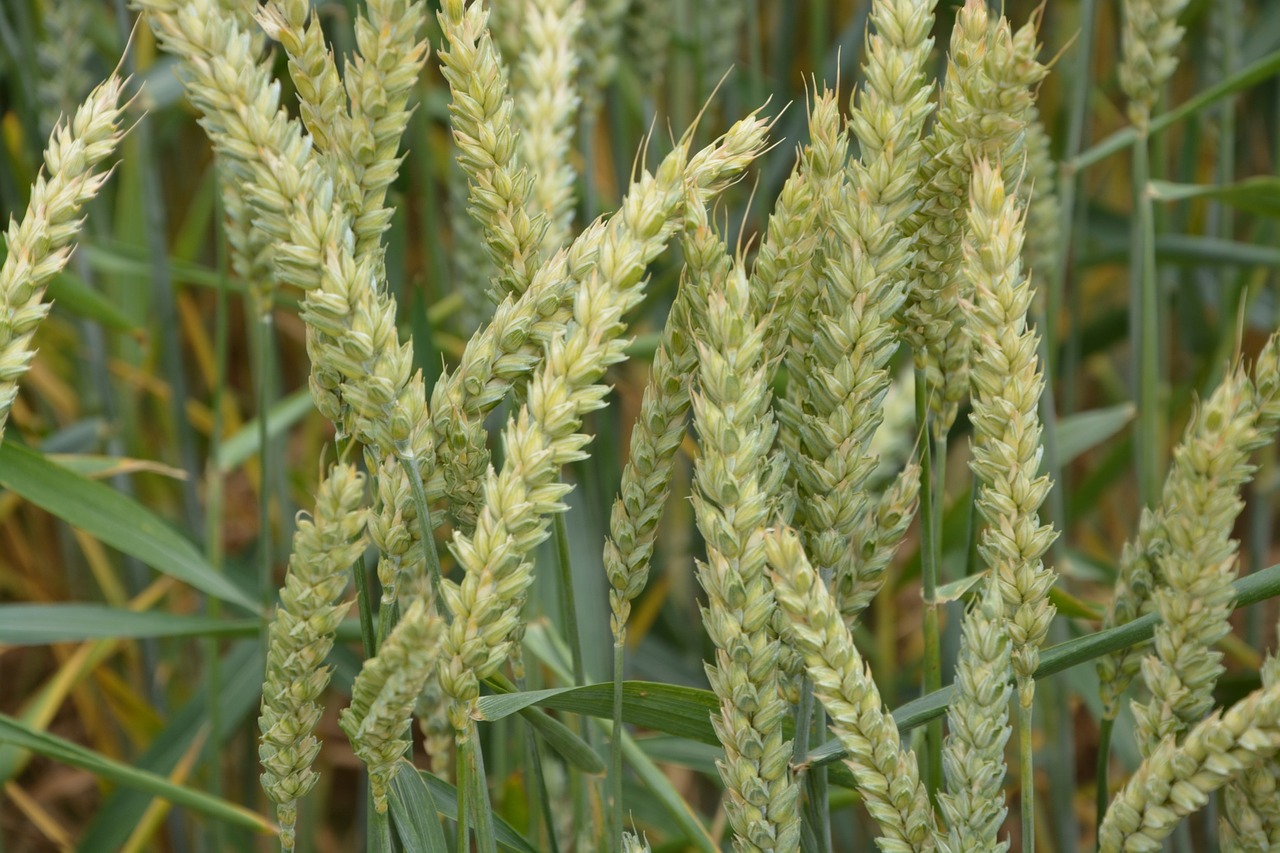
15 732
40 624
116 519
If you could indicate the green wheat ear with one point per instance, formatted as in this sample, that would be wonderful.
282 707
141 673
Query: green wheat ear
40 244
301 636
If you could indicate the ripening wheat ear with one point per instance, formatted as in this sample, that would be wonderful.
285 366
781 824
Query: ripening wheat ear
543 435
301 635
1149 40
1142 561
1178 778
1197 562
977 731
737 482
41 243
385 692
546 107
983 111
887 775
507 351
489 147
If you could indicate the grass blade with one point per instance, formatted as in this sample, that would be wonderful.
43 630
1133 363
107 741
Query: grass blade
41 624
117 520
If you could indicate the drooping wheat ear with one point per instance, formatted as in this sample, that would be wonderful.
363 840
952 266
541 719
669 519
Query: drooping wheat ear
61 55
546 107
384 693
489 147
649 26
1149 42
983 111
543 436
601 31
1251 803
1140 573
1007 385
1197 562
736 481
887 776
508 350
300 637
881 527
1176 779
977 730
1037 192
658 431
41 243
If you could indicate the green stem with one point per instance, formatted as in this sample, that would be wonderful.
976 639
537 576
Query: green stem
480 809
1145 326
266 584
1026 757
568 601
1105 728
930 550
1121 139
615 739
364 607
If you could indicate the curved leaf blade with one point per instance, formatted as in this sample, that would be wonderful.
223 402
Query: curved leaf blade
116 519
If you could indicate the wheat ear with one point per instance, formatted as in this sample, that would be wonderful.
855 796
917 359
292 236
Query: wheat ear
735 495
978 729
1007 385
506 352
385 692
1177 778
887 775
1148 42
546 107
489 147
40 244
300 637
